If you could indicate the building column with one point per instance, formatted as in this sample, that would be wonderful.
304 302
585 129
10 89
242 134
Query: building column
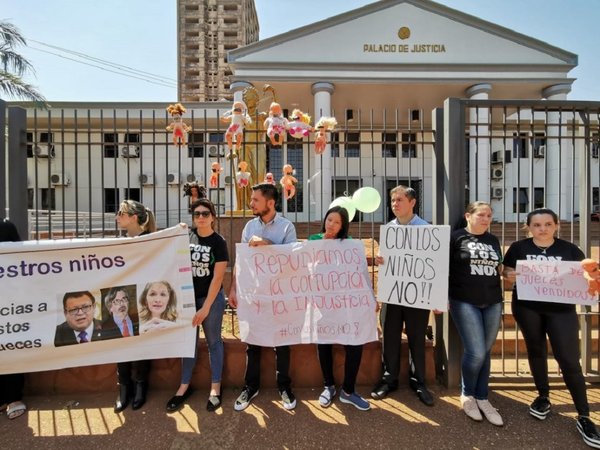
237 87
557 156
479 147
320 183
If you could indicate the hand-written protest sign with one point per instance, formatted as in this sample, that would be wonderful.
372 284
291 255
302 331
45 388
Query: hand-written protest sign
415 266
553 281
36 333
310 292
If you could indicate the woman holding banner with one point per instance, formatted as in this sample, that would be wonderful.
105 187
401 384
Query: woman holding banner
136 220
11 385
335 226
475 296
558 321
209 262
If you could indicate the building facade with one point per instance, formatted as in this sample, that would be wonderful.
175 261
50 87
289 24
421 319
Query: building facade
206 31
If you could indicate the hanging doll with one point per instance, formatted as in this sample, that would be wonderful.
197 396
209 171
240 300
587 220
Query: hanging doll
237 118
276 124
178 128
216 171
242 177
323 125
194 191
592 275
269 179
299 124
288 182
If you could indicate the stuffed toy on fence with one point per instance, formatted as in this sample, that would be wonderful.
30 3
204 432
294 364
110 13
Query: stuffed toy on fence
592 275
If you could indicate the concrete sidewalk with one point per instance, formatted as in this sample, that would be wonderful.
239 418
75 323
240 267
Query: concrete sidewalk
86 421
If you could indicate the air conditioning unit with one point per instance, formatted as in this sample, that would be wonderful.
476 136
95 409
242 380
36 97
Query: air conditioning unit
539 152
147 179
130 151
58 179
497 173
228 180
497 193
213 150
173 178
44 151
190 178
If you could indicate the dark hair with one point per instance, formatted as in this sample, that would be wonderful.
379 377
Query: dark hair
8 231
541 211
75 294
267 190
112 293
410 193
343 233
207 204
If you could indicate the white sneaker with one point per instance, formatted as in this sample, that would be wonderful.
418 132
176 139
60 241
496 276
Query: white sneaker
469 406
490 413
326 396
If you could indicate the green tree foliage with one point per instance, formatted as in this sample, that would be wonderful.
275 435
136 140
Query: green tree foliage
13 66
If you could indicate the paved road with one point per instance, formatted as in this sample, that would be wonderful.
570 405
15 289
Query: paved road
86 421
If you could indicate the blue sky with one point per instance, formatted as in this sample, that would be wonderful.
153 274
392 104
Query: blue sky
141 34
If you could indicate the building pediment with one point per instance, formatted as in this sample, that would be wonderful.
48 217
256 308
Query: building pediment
404 34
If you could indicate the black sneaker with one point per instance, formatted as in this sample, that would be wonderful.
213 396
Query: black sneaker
588 431
540 407
245 398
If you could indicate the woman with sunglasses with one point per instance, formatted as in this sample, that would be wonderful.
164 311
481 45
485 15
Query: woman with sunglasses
209 260
136 220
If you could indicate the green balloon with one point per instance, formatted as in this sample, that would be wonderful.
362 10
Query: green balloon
366 199
347 204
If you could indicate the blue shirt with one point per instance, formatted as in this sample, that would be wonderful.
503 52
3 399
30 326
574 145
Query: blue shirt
279 230
416 220
129 325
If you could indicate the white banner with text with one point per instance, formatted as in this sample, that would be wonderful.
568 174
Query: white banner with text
553 281
125 298
308 292
414 272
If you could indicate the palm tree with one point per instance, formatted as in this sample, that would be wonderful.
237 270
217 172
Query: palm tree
13 66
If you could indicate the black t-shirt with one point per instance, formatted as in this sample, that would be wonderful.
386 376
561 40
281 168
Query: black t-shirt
205 252
525 249
474 261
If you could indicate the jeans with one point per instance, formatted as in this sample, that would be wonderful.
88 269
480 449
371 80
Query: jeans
478 328
562 329
212 331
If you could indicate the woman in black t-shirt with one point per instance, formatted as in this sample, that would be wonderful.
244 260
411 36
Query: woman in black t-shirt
209 257
476 306
556 320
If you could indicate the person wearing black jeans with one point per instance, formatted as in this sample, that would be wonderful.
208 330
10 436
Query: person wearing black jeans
558 321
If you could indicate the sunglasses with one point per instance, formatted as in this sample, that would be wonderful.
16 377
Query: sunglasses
123 213
204 214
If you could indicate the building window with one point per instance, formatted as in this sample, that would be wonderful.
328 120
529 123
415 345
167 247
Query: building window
346 187
538 198
48 198
522 200
335 145
111 200
520 145
29 145
409 146
595 145
389 147
111 145
352 145
196 145
132 194
217 196
275 166
539 145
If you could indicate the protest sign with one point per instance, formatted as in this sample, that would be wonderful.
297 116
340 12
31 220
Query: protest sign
309 292
55 294
553 281
414 272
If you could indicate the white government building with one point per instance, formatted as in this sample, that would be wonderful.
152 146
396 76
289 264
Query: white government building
381 70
